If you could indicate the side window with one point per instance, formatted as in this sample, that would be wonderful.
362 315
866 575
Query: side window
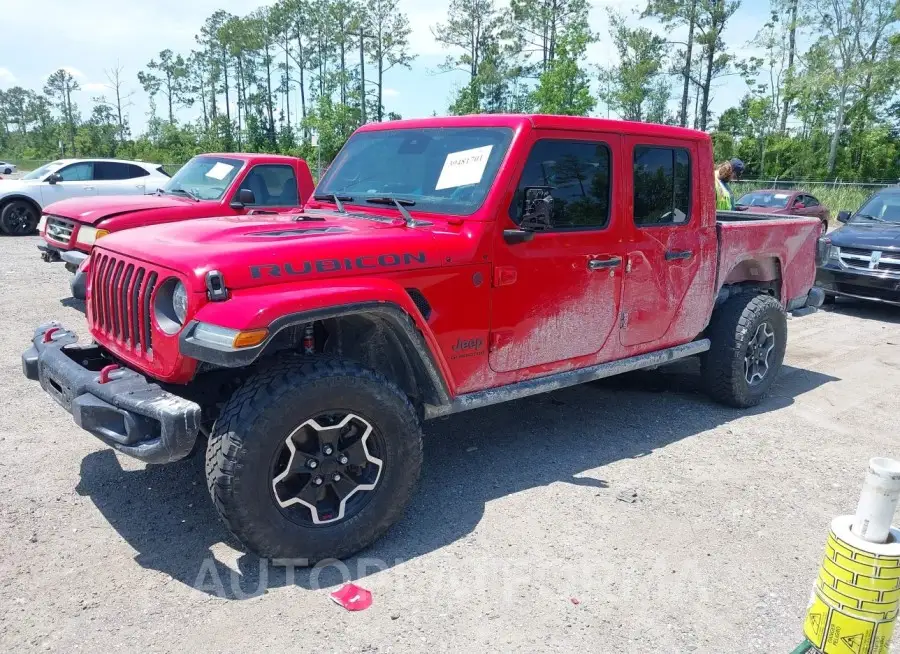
662 186
272 186
810 201
136 171
78 172
577 174
111 170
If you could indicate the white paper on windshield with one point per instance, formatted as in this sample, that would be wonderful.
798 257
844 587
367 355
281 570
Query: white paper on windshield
781 196
464 168
220 171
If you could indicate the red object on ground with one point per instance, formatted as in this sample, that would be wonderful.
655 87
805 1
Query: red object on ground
575 601
352 597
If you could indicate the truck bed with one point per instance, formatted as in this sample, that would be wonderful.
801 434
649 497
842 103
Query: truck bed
768 248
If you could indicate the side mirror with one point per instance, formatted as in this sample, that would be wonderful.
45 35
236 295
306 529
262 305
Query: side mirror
538 211
843 217
244 197
54 178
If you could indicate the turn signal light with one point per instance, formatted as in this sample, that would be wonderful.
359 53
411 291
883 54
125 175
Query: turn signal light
100 233
249 338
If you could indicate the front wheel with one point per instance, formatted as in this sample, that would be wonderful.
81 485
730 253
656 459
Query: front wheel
748 335
18 218
8 171
313 459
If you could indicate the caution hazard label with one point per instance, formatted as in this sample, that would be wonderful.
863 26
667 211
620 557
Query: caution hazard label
816 621
848 635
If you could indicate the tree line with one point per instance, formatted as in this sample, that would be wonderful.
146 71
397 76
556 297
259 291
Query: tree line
301 72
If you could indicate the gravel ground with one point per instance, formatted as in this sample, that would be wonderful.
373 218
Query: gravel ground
516 541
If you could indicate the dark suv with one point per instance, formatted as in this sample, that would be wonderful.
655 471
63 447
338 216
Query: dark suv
862 258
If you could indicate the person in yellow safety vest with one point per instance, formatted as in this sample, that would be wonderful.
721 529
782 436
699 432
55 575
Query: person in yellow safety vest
724 201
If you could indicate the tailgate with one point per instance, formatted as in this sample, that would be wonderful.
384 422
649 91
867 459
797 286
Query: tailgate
767 248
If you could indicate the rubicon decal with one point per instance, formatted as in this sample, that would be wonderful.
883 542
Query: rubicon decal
365 262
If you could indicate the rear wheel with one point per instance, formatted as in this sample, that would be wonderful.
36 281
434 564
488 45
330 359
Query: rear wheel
8 171
18 218
313 459
748 335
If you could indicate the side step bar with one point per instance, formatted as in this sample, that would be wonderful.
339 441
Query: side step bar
565 379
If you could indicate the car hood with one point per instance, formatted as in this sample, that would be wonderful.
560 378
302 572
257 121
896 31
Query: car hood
770 210
870 236
91 210
261 250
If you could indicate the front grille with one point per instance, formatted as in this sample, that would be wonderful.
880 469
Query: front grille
60 229
871 260
121 292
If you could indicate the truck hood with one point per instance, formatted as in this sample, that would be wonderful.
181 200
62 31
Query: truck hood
91 210
867 235
262 250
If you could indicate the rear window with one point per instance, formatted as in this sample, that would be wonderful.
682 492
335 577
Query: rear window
662 186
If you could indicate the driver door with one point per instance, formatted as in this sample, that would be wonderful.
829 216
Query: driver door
274 188
556 293
77 181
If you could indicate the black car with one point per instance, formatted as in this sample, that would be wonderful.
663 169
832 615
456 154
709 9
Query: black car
862 258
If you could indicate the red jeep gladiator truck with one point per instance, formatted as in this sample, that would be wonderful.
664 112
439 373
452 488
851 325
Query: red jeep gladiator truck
443 265
208 185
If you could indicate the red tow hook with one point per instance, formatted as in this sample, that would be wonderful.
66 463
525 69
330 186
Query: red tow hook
48 335
106 372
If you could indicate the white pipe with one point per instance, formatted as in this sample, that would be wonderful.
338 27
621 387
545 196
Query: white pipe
878 500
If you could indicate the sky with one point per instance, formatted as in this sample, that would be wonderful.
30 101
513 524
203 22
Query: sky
88 37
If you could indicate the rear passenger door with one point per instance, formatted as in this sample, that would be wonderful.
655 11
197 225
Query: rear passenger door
120 178
664 253
274 187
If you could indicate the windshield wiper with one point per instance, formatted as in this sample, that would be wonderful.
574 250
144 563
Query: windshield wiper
868 217
184 192
401 205
337 199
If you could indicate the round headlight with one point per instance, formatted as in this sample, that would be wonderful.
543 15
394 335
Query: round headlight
171 305
180 302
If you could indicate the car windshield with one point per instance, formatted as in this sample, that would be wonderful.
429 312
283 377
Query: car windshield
441 170
884 207
771 200
204 178
46 169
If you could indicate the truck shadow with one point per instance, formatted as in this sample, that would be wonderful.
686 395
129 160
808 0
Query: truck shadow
865 310
164 512
72 303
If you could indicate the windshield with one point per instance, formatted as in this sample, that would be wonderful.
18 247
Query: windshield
884 207
205 178
442 170
772 200
46 169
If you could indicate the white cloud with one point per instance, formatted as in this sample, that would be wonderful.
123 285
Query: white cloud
6 76
94 86
74 72
389 92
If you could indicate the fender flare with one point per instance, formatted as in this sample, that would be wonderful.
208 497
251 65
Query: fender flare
396 317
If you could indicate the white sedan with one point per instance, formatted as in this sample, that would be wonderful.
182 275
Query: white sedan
21 200
7 168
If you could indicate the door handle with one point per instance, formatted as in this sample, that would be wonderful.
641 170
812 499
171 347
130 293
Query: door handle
675 255
88 188
602 264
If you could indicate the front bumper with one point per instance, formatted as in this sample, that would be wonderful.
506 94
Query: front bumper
127 412
873 287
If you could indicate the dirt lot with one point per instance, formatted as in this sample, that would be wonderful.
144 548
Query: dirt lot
516 540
